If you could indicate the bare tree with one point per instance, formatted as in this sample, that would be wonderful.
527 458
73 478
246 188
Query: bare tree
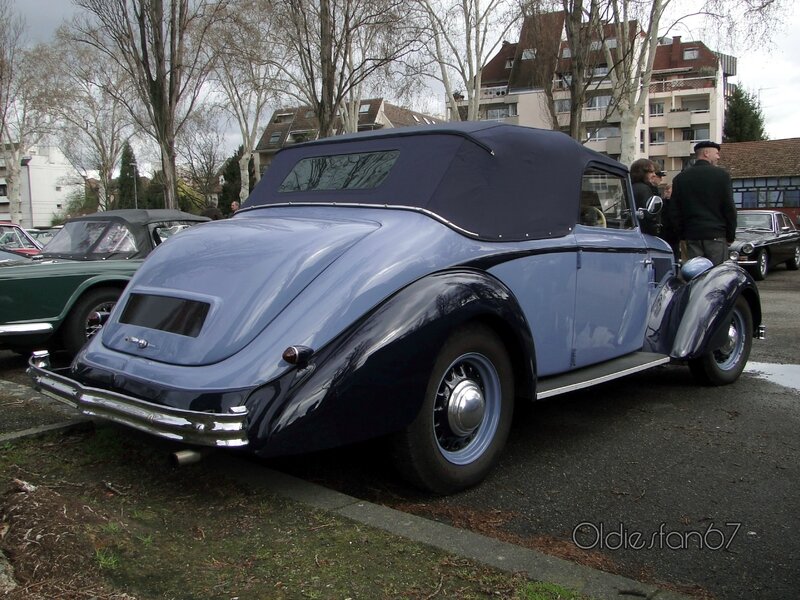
636 26
462 37
338 44
246 74
27 95
200 145
161 46
93 123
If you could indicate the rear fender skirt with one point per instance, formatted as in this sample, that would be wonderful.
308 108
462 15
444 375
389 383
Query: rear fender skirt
370 381
706 305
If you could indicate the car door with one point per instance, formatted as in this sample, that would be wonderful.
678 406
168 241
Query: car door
787 238
615 276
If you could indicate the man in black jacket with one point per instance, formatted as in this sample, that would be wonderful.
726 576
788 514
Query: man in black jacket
702 201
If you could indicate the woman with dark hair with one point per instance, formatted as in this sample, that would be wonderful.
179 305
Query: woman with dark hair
643 178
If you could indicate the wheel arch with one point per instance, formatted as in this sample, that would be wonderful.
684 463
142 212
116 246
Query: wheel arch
707 304
369 381
89 285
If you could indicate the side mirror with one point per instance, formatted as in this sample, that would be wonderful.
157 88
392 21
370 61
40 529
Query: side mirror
654 206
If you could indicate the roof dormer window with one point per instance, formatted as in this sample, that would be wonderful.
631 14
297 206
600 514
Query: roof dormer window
691 54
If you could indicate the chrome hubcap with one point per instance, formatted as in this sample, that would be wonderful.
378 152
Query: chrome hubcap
727 356
97 318
466 408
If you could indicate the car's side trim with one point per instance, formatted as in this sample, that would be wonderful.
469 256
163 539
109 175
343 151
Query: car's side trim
193 427
25 328
595 374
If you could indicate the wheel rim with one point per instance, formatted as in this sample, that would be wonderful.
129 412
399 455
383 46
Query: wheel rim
728 355
796 259
762 263
467 408
97 318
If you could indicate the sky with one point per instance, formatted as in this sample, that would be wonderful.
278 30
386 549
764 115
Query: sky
771 74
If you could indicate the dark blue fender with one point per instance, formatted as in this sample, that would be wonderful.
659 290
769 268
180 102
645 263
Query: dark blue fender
371 380
690 319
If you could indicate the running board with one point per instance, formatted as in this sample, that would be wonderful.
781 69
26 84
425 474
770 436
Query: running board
607 371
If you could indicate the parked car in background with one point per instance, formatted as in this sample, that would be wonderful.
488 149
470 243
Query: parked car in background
43 235
13 237
11 257
410 283
764 239
62 297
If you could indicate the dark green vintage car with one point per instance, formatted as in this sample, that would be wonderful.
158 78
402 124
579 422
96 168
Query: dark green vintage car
60 299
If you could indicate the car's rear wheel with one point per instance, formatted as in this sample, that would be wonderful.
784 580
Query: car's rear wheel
465 417
762 265
88 316
724 364
794 263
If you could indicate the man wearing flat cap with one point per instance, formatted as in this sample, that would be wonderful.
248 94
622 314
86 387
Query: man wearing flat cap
702 201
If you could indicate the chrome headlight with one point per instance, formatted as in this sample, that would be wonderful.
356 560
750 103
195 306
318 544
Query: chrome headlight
733 255
747 248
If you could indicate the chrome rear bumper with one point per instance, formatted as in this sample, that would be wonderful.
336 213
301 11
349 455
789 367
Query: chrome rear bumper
25 328
192 427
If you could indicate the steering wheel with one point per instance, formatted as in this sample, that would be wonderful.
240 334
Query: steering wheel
598 214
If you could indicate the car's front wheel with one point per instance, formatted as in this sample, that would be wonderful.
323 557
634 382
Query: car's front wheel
762 266
724 364
794 263
88 316
465 417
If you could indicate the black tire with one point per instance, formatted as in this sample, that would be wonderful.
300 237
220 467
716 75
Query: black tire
794 263
724 364
463 423
762 266
87 316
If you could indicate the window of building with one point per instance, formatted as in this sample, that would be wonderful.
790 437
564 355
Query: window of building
529 54
695 105
656 109
691 53
598 102
602 133
562 106
696 134
566 52
598 71
283 118
3 191
595 45
501 111
658 136
791 199
364 108
310 114
275 138
509 63
611 43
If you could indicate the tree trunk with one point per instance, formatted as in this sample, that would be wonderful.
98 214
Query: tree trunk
244 174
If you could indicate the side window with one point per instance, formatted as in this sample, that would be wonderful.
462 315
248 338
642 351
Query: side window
604 201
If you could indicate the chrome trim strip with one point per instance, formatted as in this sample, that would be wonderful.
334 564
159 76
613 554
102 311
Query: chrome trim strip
193 427
18 328
610 377
746 262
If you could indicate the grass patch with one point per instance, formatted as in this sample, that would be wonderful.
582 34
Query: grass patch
137 525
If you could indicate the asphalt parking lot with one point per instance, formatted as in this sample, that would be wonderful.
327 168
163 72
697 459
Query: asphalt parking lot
650 477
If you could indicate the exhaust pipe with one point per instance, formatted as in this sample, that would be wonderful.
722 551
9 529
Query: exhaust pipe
181 458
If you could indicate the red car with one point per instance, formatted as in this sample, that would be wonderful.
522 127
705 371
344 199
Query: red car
13 237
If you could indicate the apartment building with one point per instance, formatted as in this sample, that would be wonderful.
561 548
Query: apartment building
685 104
46 181
299 124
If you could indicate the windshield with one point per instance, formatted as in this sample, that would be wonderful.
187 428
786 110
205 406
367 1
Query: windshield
13 238
754 221
81 238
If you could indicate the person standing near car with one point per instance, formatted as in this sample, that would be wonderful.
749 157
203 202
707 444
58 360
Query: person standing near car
702 205
643 178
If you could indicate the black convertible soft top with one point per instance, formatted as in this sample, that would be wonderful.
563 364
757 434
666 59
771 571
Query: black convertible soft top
137 221
492 180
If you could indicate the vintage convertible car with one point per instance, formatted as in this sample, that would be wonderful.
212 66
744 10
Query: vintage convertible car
16 239
65 294
409 283
764 239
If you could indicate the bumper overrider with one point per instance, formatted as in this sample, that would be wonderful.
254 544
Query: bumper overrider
192 427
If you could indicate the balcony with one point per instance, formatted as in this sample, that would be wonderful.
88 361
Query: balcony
679 119
678 85
497 91
680 149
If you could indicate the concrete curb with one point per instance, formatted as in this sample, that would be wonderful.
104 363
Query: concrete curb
479 548
482 549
